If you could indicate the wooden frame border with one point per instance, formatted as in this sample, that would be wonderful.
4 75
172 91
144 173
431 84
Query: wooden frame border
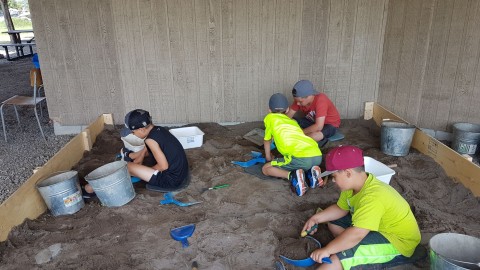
455 165
26 201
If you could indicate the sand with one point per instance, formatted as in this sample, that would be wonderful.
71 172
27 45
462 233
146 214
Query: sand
245 226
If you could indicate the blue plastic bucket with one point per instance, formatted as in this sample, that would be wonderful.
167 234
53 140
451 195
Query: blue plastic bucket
396 138
112 184
61 193
454 251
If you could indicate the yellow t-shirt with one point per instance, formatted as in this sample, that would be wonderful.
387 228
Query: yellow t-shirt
289 137
379 207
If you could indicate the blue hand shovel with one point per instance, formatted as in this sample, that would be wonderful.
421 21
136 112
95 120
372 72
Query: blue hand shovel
257 158
168 199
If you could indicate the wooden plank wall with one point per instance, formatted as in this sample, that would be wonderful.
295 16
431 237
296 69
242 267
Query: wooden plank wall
191 61
430 66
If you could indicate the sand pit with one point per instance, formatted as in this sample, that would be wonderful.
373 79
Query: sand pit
244 226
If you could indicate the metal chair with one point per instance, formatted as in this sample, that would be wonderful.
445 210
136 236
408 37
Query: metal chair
37 83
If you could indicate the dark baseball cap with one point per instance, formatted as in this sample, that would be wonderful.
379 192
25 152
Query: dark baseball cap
137 118
278 103
343 157
303 88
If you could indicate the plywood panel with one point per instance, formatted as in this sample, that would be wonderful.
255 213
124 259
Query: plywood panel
391 53
407 55
443 93
163 99
320 41
357 83
307 38
254 59
215 59
435 62
412 107
293 44
349 18
204 60
241 62
267 30
228 65
375 35
280 43
119 14
175 33
333 49
461 108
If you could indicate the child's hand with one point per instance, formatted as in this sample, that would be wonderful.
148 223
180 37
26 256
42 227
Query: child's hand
318 254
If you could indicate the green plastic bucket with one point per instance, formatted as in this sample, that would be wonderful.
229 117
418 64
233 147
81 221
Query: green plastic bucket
112 184
61 193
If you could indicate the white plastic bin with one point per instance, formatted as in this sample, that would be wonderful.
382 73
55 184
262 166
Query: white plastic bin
380 170
189 137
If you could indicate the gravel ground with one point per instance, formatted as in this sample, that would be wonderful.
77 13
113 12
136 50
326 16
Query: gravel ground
25 149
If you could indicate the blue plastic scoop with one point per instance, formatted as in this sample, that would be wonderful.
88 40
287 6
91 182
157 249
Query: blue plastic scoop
257 158
168 198
181 234
307 262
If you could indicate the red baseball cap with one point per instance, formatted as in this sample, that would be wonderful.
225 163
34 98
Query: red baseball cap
343 157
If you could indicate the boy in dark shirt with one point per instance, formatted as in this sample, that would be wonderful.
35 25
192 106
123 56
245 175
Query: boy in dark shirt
171 169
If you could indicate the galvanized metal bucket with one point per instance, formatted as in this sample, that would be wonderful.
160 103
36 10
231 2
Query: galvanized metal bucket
466 138
396 138
112 184
61 193
454 251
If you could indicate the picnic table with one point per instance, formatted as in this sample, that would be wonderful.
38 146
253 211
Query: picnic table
18 44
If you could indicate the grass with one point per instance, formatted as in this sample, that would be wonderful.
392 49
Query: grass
19 24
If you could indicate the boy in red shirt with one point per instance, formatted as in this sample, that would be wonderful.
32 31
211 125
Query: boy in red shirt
321 116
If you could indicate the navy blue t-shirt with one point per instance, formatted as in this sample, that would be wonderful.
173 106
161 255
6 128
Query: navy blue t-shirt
173 151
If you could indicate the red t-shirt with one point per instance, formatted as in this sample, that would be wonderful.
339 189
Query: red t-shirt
321 106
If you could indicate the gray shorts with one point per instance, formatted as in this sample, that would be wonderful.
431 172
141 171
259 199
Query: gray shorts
300 163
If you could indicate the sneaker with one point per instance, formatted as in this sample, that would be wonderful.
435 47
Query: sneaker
313 176
88 195
125 152
297 179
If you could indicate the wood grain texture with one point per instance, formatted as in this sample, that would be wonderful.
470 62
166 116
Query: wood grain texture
430 76
193 61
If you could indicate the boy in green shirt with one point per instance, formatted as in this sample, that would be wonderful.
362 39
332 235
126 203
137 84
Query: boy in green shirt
300 152
371 222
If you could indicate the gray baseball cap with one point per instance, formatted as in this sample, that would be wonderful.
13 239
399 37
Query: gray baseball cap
278 103
303 88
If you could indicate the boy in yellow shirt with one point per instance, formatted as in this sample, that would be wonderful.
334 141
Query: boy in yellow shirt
371 222
300 152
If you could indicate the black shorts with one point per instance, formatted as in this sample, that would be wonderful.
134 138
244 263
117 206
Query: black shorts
167 181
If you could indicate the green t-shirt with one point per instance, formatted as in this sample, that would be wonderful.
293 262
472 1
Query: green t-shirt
379 207
289 137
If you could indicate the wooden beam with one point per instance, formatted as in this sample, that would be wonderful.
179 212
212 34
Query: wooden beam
455 165
26 201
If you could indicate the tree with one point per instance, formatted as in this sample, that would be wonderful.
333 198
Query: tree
8 20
